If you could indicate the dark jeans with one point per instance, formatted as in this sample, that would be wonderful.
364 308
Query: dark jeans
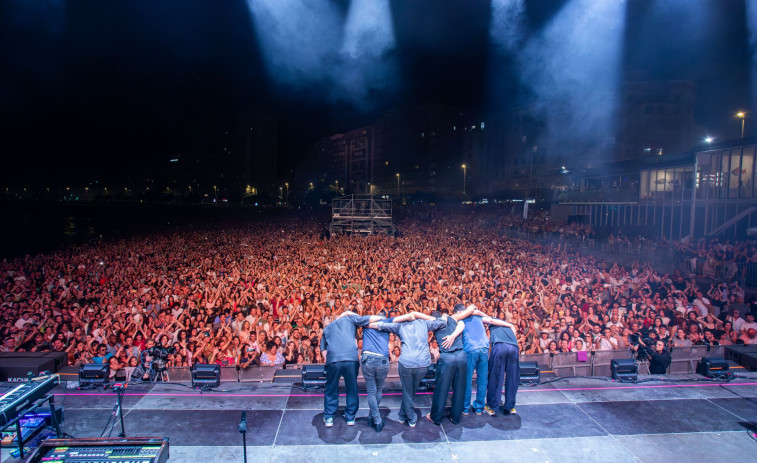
503 360
451 372
410 379
375 369
334 370
477 363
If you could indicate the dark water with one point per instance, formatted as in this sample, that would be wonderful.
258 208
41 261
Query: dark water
37 227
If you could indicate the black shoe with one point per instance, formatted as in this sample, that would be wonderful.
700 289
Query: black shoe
379 426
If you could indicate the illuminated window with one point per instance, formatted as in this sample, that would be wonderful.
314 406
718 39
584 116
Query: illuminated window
482 126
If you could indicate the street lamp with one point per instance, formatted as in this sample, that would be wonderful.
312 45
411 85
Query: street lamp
398 184
464 176
741 115
287 185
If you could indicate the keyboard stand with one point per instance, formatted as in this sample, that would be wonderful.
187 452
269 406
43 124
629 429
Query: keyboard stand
50 399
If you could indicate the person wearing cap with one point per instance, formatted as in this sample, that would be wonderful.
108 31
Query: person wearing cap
340 349
374 362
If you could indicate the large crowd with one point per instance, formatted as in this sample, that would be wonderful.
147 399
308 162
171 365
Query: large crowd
261 293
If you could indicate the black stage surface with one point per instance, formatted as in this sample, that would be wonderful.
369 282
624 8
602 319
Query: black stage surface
669 418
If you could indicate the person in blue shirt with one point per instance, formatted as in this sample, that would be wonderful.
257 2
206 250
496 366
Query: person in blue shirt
103 356
374 362
339 345
503 360
476 346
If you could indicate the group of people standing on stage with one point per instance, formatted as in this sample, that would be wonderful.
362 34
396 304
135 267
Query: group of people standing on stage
493 357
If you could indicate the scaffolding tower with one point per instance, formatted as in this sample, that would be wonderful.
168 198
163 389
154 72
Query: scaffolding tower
364 214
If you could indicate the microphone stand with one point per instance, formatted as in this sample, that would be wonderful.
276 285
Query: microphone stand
120 389
243 431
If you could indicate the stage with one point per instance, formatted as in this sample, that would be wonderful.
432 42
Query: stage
669 418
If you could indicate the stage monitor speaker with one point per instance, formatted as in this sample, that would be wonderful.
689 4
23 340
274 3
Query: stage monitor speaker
713 367
94 374
206 376
429 381
624 369
314 375
530 375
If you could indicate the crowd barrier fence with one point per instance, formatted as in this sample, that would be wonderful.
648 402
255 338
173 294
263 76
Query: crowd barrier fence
683 360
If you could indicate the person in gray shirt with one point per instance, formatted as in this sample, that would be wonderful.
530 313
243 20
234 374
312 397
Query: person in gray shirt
414 359
339 346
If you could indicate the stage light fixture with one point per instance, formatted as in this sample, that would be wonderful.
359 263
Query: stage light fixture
314 376
429 381
530 374
624 369
206 376
94 374
714 367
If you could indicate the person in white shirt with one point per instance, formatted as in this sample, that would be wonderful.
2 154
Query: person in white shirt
614 321
702 304
23 321
736 321
748 324
606 341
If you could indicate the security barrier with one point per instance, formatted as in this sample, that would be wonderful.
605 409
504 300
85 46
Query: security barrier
684 360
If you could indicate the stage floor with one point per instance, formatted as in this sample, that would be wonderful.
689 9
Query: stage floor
670 418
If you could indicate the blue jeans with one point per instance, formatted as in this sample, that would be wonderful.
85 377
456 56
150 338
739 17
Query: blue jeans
375 369
478 362
334 370
503 360
410 379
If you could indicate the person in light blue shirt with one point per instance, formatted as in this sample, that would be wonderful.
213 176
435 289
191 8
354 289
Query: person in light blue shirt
476 346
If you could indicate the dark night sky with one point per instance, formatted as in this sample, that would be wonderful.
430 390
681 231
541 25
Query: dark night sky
89 85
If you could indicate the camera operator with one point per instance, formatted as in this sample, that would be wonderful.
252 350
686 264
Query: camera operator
659 358
154 360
